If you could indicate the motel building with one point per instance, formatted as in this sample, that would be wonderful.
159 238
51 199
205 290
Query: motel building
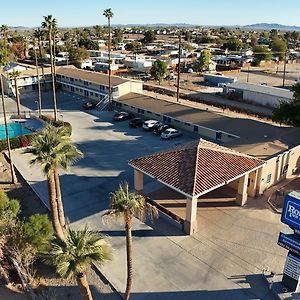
93 85
231 159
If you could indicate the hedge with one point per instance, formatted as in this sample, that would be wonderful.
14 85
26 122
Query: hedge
18 141
24 140
57 123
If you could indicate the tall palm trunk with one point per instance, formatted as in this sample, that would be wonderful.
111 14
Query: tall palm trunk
12 170
39 84
54 210
54 57
53 77
109 64
84 286
42 65
128 228
17 96
60 206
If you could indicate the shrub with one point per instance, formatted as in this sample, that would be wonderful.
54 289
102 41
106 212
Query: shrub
9 208
18 141
57 123
38 231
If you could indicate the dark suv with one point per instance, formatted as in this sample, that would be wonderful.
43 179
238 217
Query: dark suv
90 104
136 122
158 129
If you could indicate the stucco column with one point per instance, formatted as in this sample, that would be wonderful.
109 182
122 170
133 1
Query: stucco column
253 183
138 181
241 197
259 184
190 222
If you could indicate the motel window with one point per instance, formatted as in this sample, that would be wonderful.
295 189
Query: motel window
72 79
85 83
268 179
91 94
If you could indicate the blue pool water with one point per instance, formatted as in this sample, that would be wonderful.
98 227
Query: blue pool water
14 129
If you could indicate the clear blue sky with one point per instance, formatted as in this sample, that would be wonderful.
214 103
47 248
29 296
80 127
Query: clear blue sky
202 12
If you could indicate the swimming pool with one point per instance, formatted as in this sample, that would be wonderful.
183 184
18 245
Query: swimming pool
14 129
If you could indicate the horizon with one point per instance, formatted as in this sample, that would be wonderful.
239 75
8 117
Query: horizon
135 12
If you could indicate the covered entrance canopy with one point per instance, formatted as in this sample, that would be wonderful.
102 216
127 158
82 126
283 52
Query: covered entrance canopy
197 168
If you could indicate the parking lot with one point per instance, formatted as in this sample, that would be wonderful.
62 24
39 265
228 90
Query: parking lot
167 263
107 146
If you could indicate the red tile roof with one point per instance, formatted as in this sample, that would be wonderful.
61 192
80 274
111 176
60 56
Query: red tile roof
196 167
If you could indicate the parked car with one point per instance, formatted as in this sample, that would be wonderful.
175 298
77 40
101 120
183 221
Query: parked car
160 128
122 116
90 104
170 133
136 122
148 125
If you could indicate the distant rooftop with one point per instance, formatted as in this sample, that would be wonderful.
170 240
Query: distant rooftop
263 89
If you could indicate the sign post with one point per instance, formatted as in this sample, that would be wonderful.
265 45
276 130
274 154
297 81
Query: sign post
290 240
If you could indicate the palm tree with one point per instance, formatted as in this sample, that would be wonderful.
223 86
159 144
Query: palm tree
74 257
126 204
109 14
55 32
39 35
5 57
38 79
4 30
14 76
49 25
53 149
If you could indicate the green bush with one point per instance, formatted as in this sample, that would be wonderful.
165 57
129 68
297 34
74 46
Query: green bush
38 231
57 123
17 142
9 208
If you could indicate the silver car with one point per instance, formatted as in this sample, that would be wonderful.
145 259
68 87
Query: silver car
170 133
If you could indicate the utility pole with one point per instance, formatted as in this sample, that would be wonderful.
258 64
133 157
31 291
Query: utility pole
12 170
248 73
178 68
38 82
284 69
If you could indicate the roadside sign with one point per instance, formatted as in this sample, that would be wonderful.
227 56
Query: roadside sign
292 266
289 242
291 210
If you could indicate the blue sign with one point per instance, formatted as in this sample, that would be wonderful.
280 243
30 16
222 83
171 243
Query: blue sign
289 242
291 210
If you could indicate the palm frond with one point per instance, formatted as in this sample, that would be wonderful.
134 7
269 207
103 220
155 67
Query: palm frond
81 249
